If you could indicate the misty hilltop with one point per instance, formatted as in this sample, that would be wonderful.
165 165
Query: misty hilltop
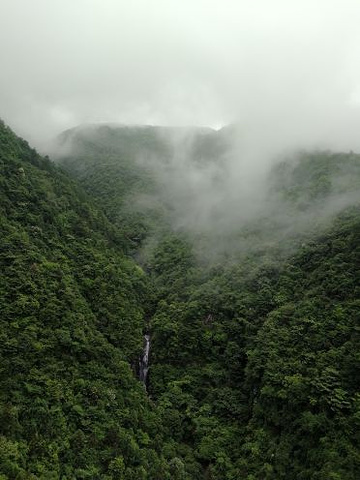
150 140
209 185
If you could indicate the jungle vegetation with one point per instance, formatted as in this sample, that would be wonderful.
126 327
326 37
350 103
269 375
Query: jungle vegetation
254 361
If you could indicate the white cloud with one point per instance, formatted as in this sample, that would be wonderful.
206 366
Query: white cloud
288 70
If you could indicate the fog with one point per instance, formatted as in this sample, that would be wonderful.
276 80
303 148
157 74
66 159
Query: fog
242 200
226 194
287 71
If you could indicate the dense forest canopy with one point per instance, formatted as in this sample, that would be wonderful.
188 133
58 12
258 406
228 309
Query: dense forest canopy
251 299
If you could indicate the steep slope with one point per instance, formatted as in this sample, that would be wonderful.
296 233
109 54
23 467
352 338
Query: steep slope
303 368
72 320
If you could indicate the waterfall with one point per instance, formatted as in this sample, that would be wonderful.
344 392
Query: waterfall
144 360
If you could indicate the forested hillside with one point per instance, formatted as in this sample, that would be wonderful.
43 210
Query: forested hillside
254 359
126 169
72 313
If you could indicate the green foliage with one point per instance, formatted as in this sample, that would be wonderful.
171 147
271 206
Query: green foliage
254 360
73 309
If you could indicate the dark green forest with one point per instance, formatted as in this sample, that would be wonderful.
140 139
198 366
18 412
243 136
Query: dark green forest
254 366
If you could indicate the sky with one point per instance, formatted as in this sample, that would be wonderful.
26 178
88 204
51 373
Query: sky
286 71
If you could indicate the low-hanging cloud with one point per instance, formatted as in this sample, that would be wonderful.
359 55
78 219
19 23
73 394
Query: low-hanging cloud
228 194
286 71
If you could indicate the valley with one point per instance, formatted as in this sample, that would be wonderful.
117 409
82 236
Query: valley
147 255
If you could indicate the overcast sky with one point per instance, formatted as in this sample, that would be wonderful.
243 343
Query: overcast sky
285 68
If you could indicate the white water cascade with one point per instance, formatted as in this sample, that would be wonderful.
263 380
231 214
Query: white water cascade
144 360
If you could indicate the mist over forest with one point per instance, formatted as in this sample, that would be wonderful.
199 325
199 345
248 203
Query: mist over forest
180 240
225 198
